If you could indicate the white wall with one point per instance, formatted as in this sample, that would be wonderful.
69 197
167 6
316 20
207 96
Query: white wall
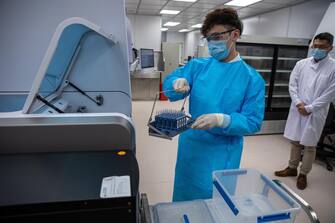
191 42
27 27
164 36
175 37
299 21
147 32
327 24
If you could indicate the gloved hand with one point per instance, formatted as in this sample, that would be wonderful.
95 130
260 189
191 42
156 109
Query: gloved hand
208 121
181 85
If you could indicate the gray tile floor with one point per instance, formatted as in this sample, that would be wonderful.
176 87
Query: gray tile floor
265 153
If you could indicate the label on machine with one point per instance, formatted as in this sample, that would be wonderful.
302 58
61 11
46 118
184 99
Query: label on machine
115 186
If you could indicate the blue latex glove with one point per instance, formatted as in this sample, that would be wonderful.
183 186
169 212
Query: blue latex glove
209 121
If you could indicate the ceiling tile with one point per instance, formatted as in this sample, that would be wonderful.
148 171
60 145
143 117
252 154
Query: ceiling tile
148 12
181 20
154 2
202 16
226 6
192 12
132 1
130 11
182 17
284 2
199 9
250 10
214 1
196 10
245 14
190 15
150 7
168 16
131 7
195 20
179 4
204 5
265 5
297 2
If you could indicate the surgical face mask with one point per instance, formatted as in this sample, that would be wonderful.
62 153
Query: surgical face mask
318 53
218 49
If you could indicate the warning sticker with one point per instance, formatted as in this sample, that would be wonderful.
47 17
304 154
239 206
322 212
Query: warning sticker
115 186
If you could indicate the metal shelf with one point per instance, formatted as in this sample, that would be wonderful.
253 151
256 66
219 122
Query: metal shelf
281 96
289 58
278 85
283 71
281 85
256 58
275 63
281 106
264 70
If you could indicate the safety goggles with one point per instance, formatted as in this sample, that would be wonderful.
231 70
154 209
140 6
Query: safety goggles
217 36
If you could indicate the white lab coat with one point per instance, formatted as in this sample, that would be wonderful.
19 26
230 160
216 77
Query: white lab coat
314 84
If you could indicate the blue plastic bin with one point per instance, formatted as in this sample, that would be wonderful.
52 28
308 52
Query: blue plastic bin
246 195
182 212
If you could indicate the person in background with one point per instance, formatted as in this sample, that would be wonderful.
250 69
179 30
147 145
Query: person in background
312 88
226 97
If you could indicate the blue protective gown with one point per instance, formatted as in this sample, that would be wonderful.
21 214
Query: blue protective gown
232 88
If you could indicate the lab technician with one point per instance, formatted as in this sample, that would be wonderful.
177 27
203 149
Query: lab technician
227 101
312 88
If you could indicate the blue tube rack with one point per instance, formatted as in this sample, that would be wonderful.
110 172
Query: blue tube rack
169 123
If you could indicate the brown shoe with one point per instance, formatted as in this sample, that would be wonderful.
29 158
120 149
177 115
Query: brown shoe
288 172
302 182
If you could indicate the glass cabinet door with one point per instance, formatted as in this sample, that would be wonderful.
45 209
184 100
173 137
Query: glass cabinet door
259 57
288 56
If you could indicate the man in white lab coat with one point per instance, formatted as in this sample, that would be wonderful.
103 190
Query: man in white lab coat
312 88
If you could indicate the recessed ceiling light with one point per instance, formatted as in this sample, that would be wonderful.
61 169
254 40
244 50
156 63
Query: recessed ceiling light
164 29
169 12
185 0
183 30
197 25
171 23
242 3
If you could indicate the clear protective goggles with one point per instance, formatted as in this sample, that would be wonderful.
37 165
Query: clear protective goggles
217 36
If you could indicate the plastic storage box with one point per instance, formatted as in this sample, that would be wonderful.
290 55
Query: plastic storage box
182 212
246 195
239 196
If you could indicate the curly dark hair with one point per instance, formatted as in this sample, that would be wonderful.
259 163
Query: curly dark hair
222 16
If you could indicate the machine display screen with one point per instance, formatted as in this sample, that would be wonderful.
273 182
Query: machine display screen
147 58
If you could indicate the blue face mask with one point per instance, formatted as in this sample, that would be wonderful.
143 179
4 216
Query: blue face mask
218 49
318 53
